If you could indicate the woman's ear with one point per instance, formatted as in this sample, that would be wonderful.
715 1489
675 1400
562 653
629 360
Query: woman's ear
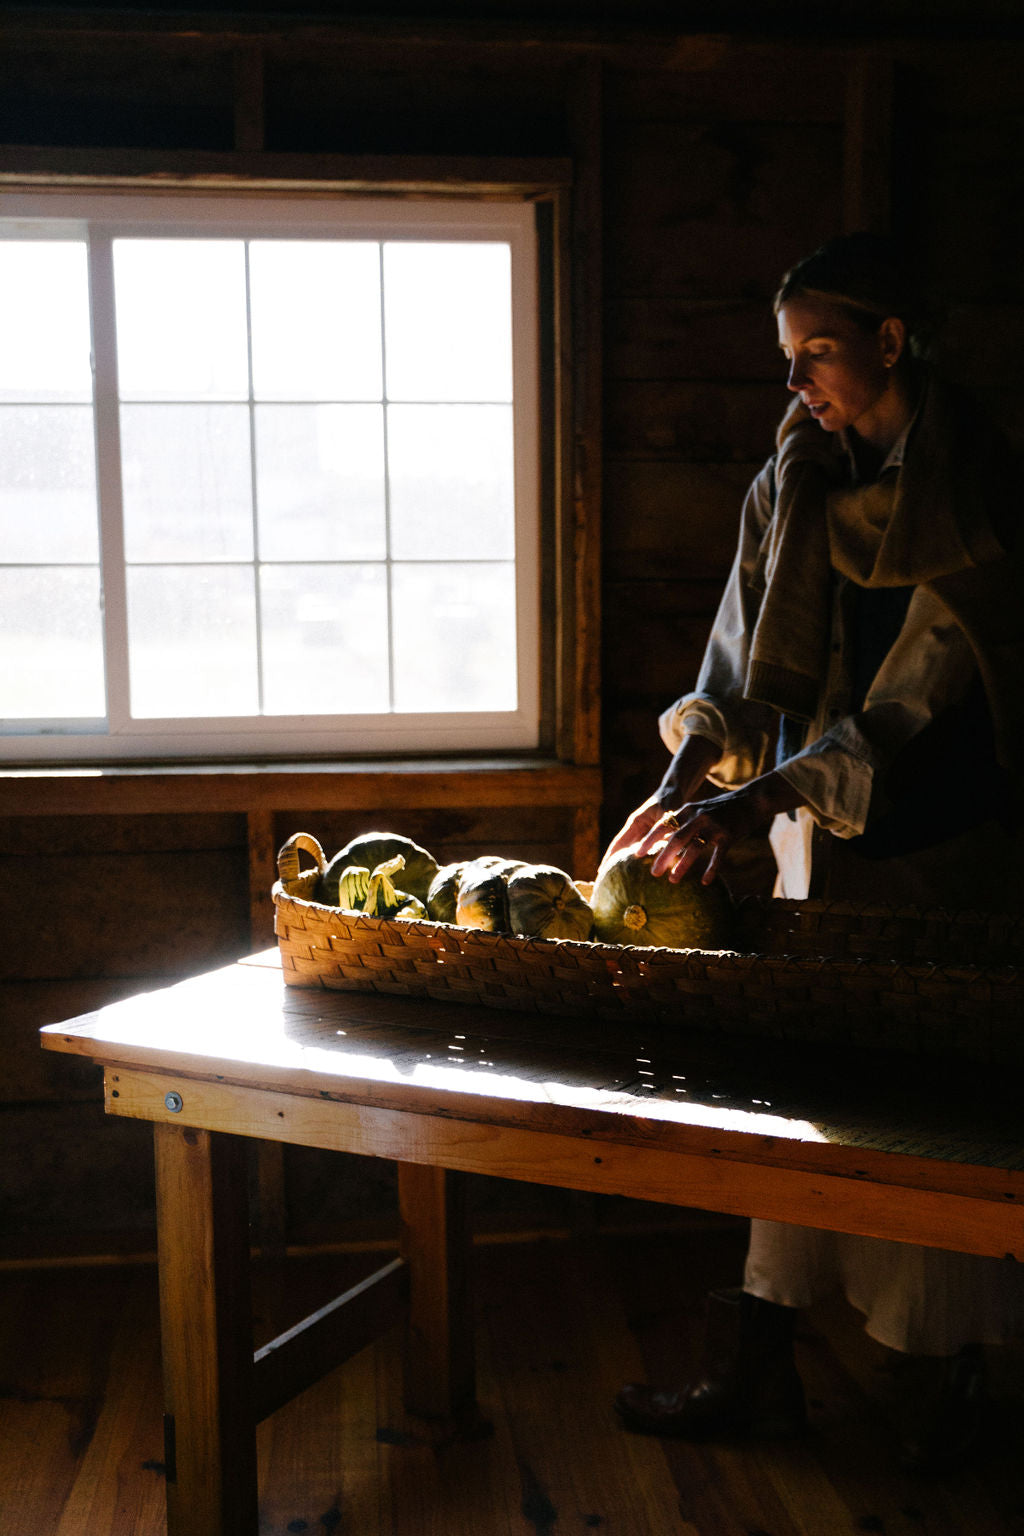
892 340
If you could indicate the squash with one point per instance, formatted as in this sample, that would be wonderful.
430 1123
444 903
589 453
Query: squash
383 899
371 849
353 887
632 906
443 890
481 900
544 903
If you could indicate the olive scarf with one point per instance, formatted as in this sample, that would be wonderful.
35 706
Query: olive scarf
948 518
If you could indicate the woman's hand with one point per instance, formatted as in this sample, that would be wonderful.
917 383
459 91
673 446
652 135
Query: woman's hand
639 824
683 778
705 830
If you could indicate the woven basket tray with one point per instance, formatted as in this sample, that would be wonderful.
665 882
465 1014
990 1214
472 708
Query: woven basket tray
886 978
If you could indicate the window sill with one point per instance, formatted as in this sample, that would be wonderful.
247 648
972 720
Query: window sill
137 789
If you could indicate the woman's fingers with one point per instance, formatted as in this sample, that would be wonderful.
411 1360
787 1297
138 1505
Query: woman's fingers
665 826
713 867
637 828
680 845
683 851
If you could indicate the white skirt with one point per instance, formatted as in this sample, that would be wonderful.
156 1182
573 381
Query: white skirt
923 1301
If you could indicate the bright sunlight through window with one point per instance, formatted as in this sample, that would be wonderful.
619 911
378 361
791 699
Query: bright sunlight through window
268 477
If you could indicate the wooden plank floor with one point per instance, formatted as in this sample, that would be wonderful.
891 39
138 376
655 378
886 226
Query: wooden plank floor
559 1325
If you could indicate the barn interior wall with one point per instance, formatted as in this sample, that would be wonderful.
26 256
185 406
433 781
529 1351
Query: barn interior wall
721 160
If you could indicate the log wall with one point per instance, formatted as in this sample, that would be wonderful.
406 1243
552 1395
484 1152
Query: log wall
704 166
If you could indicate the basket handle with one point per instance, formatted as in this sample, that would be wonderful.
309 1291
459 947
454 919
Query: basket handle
288 856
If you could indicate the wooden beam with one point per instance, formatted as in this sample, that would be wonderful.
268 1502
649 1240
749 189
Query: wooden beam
709 1178
580 524
586 841
206 1332
28 167
324 1340
868 142
262 874
438 785
440 1380
248 82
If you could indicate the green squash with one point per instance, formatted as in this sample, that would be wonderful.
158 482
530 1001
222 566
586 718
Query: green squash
481 900
632 906
384 899
373 848
443 890
353 887
544 903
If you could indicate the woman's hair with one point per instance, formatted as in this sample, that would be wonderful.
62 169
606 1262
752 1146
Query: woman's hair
865 276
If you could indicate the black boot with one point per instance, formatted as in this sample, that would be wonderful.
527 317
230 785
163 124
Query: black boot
947 1420
748 1381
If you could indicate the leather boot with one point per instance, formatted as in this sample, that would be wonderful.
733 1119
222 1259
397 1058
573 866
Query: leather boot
748 1381
947 1421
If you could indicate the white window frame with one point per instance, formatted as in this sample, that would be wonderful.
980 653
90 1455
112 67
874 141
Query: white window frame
102 216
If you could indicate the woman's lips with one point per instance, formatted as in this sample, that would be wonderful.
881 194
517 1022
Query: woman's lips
817 409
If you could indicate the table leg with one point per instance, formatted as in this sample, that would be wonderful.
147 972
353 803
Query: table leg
439 1367
206 1332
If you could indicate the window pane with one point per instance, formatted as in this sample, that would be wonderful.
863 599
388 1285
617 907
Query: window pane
320 482
325 639
44 321
315 319
451 474
51 644
181 325
192 641
47 484
187 482
448 315
455 637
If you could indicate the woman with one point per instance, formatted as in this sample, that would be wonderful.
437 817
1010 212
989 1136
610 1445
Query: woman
859 701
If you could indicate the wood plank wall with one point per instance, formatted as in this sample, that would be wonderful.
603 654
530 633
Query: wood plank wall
708 164
721 170
723 167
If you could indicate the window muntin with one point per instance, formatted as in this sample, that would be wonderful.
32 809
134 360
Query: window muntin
350 539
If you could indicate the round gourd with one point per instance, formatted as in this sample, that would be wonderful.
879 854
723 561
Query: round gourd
543 903
443 890
632 906
383 897
372 849
482 897
353 887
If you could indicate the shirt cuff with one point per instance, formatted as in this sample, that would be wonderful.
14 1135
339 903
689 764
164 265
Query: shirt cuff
835 784
691 716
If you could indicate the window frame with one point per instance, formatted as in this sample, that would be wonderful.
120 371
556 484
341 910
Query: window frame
528 729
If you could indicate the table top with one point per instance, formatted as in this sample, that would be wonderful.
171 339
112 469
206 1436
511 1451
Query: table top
625 1081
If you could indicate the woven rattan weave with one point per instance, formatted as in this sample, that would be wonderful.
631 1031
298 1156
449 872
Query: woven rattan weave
881 977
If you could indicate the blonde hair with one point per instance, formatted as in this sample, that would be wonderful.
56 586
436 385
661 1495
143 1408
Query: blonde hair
864 275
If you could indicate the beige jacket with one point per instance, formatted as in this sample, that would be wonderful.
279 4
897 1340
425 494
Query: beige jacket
930 667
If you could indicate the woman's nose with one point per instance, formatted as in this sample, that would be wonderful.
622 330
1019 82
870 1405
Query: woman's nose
797 378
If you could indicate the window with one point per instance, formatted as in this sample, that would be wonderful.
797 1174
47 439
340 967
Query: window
269 476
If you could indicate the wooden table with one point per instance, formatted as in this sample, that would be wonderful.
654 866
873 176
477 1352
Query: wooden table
871 1145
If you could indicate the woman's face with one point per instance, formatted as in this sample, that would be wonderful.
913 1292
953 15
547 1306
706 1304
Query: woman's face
842 372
